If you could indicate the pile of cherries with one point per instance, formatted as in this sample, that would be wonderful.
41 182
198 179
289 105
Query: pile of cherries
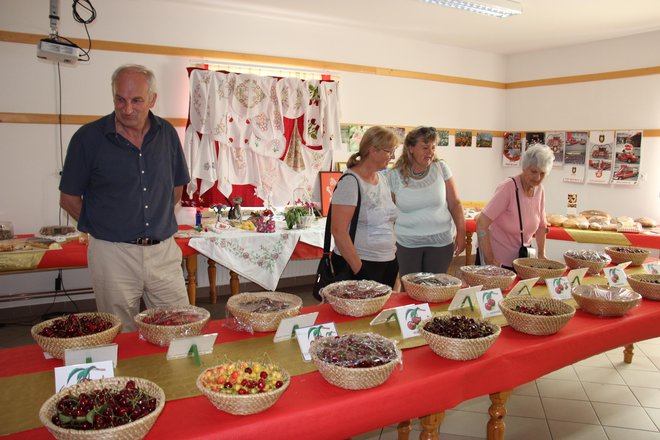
172 317
265 305
104 408
73 326
536 309
628 250
356 350
459 327
649 280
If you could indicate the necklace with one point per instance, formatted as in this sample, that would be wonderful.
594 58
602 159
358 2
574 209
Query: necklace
420 174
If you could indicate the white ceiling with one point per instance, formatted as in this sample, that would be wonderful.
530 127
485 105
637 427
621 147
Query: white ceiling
543 24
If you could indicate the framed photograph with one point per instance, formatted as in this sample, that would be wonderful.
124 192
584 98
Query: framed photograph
329 180
340 166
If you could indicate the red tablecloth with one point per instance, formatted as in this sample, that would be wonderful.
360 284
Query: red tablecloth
426 384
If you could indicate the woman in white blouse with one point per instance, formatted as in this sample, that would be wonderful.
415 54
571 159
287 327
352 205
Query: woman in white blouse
430 227
373 254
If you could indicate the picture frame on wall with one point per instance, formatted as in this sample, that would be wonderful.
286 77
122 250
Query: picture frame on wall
329 181
340 166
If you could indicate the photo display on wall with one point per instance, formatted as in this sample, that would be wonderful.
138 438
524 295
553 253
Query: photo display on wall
463 139
443 137
627 157
600 150
575 154
556 141
484 139
511 149
534 137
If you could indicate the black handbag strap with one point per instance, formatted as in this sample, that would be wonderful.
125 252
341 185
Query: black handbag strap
354 220
522 241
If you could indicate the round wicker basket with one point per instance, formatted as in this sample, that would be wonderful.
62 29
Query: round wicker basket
621 254
535 267
456 348
244 404
593 267
536 324
134 430
431 293
474 278
354 306
56 346
601 306
263 322
646 285
162 335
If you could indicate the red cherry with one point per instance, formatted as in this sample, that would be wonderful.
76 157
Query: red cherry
247 121
231 119
246 141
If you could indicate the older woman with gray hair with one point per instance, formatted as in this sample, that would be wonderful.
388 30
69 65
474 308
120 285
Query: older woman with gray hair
517 208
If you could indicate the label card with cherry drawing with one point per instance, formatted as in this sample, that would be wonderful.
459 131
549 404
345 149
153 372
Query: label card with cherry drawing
489 302
523 287
288 326
559 287
72 374
653 268
575 276
409 318
616 277
306 335
466 297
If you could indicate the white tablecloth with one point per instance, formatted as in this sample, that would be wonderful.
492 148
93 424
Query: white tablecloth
259 257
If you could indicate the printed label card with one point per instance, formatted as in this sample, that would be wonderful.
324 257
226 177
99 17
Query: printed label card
576 276
616 277
73 374
466 297
191 345
409 318
88 355
559 288
306 335
523 287
489 302
652 268
288 326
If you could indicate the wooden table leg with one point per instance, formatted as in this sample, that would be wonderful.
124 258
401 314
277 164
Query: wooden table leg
212 287
628 354
430 425
191 268
234 283
403 430
497 411
468 247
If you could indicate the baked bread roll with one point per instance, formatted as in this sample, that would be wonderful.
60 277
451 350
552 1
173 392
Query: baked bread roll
609 227
596 226
624 219
556 219
592 212
646 222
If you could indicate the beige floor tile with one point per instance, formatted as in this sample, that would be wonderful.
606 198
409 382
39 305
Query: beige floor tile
528 389
649 379
561 389
576 431
478 404
599 375
525 406
566 373
648 397
465 423
649 349
523 428
606 393
640 362
655 360
623 416
599 360
654 413
630 434
569 410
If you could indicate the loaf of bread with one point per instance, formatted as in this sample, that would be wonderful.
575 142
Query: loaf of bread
556 219
646 222
592 212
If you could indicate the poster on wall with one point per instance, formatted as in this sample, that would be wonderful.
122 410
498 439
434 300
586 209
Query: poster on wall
351 135
600 148
484 140
556 141
511 149
463 139
575 154
534 137
627 157
443 137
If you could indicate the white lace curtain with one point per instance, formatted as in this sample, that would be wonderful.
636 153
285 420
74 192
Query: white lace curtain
273 133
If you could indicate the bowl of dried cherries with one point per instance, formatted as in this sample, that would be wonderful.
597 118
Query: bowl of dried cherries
647 285
263 311
77 330
431 287
160 325
108 408
536 316
621 254
458 337
243 387
356 297
490 277
355 361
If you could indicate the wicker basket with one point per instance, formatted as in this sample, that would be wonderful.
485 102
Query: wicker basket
636 256
352 306
602 306
593 267
644 285
244 404
458 349
473 278
263 322
430 293
162 335
56 346
134 430
535 324
535 267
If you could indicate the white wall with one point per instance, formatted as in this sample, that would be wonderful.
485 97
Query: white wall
31 153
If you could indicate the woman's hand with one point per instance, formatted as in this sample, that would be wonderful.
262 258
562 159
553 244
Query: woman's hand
459 244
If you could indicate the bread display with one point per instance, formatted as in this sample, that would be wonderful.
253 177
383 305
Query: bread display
646 222
600 221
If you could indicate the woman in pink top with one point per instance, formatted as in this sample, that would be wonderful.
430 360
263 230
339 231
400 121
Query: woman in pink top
498 226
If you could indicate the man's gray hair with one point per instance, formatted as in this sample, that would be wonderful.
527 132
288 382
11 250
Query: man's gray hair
148 74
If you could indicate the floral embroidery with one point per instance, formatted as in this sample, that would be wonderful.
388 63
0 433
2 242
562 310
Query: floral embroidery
264 257
313 129
262 121
249 93
314 95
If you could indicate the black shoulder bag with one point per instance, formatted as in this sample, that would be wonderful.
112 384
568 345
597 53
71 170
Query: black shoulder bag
325 273
524 251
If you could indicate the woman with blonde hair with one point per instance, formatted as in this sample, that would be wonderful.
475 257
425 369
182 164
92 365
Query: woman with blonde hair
372 256
430 227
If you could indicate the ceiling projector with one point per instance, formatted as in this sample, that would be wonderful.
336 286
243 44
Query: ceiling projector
58 51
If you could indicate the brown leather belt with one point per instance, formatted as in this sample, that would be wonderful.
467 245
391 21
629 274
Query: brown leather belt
143 241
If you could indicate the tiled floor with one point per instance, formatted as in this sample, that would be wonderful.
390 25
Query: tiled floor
600 398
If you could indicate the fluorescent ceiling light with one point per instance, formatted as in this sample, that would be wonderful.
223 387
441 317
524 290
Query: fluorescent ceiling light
493 8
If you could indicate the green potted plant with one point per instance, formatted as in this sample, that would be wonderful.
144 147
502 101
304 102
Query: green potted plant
293 215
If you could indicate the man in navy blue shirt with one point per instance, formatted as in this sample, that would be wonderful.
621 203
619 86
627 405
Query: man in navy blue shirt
122 177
